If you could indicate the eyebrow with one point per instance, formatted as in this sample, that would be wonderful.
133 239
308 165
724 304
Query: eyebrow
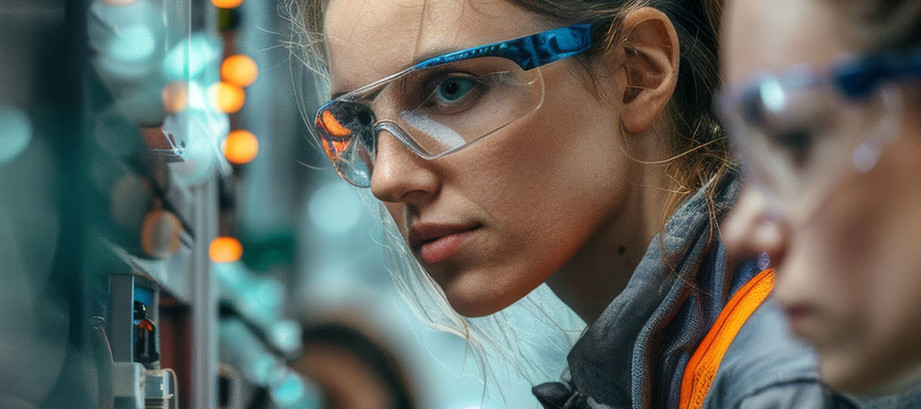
415 62
434 54
528 52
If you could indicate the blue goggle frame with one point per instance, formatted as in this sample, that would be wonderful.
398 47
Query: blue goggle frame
345 119
853 79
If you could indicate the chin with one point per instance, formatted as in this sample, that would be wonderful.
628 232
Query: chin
842 382
476 302
847 374
873 379
478 292
476 307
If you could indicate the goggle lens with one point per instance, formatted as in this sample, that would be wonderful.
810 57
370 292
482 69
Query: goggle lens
796 139
432 111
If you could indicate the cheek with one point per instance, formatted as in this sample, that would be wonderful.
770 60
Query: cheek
557 171
828 266
865 267
547 183
567 152
896 273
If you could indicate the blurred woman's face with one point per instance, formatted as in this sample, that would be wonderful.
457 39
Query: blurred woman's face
848 259
494 220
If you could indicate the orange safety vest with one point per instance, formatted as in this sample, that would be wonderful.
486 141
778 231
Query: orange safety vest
701 369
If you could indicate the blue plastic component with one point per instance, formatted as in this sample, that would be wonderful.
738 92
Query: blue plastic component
855 78
862 75
144 295
353 152
528 52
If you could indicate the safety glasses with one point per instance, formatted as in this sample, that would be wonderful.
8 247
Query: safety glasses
445 103
800 131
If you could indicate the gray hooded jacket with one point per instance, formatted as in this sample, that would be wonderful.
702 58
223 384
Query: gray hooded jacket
634 354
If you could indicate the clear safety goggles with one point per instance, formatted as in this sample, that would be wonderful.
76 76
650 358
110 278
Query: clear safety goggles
443 104
799 132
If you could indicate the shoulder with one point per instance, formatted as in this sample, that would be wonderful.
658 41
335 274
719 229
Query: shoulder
765 367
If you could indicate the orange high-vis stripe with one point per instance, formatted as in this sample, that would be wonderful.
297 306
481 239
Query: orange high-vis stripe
332 124
701 369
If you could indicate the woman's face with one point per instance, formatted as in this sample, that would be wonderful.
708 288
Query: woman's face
849 267
494 220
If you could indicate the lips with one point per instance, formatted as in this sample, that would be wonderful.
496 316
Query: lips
435 243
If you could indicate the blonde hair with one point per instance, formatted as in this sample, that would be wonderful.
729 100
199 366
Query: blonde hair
700 151
700 154
698 145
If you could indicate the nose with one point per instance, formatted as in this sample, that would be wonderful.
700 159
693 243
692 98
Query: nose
401 176
752 228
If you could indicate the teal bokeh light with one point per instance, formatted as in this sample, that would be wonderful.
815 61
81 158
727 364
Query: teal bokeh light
133 44
259 299
290 391
128 38
198 132
15 133
192 57
335 208
285 335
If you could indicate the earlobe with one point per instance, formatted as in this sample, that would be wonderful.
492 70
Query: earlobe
651 64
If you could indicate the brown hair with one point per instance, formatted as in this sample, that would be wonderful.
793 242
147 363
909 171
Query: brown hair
884 24
700 152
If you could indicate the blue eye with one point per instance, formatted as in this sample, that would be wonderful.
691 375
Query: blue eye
453 89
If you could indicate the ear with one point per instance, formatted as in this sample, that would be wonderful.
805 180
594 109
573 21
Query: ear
651 63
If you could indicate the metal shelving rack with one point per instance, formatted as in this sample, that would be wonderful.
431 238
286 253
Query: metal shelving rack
130 285
160 264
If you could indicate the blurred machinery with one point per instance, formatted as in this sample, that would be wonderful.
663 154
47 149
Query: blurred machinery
119 147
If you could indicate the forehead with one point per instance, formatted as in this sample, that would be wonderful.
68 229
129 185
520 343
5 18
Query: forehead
370 39
774 35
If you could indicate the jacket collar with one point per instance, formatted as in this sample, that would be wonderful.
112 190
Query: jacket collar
609 365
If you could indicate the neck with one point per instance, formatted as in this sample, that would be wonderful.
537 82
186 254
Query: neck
601 269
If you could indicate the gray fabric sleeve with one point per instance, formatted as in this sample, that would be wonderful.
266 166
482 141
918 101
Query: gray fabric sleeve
766 368
794 395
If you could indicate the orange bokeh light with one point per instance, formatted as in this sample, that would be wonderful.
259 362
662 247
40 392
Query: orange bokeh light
175 96
240 146
225 250
226 4
227 97
239 69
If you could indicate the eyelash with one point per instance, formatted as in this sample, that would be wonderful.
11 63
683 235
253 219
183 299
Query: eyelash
433 82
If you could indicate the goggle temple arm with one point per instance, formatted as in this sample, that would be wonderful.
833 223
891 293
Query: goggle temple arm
528 52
